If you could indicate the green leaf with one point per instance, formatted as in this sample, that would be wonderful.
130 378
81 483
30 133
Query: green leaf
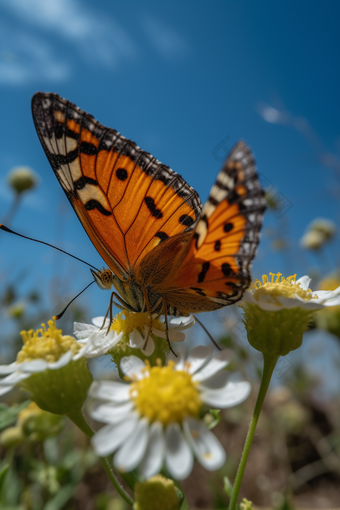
215 413
228 488
8 415
2 477
59 501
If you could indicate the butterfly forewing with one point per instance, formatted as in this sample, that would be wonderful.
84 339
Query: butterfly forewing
127 201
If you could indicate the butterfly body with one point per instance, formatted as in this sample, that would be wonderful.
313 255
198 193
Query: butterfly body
164 253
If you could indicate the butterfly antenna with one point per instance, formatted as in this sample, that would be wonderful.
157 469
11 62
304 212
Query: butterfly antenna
6 229
207 332
59 316
167 330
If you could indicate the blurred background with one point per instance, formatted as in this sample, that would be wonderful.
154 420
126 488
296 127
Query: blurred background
185 81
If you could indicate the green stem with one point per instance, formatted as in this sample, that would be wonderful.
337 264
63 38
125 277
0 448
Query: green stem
13 209
78 419
269 363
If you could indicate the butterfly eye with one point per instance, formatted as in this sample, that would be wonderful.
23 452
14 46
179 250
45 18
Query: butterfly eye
103 278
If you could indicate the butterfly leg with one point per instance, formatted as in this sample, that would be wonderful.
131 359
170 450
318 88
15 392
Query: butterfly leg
167 327
207 332
123 306
147 304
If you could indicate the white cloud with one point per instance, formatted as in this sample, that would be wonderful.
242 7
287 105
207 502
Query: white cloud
25 58
98 38
165 39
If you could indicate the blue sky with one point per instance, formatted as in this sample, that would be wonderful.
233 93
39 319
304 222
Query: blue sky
177 78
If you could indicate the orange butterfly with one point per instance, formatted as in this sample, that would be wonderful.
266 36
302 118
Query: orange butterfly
165 254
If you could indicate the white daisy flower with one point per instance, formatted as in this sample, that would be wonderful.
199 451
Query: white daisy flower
155 418
129 327
276 294
47 350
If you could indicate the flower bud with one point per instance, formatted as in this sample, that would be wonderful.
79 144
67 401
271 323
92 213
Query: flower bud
324 226
157 492
11 437
37 424
61 391
246 504
275 333
22 179
58 383
312 240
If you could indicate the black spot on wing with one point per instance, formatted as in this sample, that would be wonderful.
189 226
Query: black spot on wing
88 148
162 236
94 204
205 269
59 130
122 174
150 203
82 181
198 291
58 160
226 269
186 220
217 246
228 227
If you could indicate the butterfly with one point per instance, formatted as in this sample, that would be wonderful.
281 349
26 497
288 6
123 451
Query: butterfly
166 254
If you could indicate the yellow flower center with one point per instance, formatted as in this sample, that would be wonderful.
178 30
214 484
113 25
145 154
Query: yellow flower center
125 322
166 395
48 344
283 287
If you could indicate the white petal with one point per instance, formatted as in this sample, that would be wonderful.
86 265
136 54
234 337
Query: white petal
182 322
136 341
205 444
132 366
334 301
174 335
99 322
214 365
231 395
99 344
5 389
111 391
178 456
62 361
111 413
131 453
304 282
36 365
270 306
327 297
8 369
82 331
217 381
110 437
152 461
13 379
198 356
298 302
150 347
248 297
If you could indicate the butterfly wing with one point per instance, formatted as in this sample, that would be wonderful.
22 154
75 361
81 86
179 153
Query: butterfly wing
214 269
126 200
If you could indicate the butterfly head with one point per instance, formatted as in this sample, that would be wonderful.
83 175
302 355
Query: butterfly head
103 278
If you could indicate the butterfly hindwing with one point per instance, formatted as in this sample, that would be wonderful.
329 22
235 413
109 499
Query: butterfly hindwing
127 201
216 268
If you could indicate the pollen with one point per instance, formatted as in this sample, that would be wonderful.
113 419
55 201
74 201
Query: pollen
280 286
46 343
166 395
125 322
